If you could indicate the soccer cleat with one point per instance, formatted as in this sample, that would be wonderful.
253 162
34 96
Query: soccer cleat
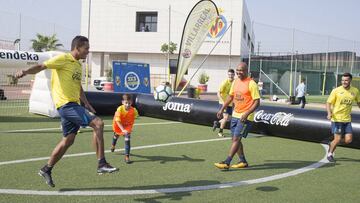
47 177
240 165
216 123
220 134
222 165
112 149
330 158
106 168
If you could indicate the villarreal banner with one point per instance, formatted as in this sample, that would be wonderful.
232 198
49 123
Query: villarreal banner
196 28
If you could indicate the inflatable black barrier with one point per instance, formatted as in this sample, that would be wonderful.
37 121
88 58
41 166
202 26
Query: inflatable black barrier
292 123
105 103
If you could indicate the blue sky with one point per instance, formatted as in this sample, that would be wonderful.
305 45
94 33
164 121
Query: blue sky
338 19
43 16
320 25
327 17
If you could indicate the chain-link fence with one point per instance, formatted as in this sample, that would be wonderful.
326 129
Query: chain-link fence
14 93
284 56
281 77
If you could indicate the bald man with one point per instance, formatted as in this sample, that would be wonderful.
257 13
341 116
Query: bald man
244 93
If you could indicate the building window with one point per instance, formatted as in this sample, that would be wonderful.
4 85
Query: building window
146 21
244 31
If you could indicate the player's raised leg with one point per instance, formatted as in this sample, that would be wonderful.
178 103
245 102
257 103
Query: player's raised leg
98 125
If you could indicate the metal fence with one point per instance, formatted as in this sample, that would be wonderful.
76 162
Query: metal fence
283 56
283 76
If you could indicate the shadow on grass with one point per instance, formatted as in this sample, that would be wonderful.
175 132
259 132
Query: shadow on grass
278 164
34 119
148 187
166 197
165 159
53 130
345 159
178 196
267 188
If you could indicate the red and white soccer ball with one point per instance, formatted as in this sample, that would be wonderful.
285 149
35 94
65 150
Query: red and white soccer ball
163 93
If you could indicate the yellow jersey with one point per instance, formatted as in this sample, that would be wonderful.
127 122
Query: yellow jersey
224 91
66 74
244 92
342 101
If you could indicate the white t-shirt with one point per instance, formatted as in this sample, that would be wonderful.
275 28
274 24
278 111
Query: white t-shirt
301 90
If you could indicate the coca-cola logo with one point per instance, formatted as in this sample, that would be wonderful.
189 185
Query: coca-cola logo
279 118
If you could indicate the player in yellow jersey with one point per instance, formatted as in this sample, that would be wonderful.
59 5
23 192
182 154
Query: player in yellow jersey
244 93
338 106
67 92
222 94
123 123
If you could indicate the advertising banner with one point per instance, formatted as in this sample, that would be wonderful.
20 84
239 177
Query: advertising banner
131 77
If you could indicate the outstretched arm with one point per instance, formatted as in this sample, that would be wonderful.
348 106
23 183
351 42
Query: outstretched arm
32 70
85 101
121 127
253 107
229 99
329 112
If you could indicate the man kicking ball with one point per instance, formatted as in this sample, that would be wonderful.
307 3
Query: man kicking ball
67 92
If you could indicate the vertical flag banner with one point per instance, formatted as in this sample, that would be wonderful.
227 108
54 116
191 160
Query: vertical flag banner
196 28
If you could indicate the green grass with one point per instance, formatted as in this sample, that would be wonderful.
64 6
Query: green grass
14 107
309 99
172 166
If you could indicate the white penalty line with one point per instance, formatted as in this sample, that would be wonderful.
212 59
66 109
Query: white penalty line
48 129
313 166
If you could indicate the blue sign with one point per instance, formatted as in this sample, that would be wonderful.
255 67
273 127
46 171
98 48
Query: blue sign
131 77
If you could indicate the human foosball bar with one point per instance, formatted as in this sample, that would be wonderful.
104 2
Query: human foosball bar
292 123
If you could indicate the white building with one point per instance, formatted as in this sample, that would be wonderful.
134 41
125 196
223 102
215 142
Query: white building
134 30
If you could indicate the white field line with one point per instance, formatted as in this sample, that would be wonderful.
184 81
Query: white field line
313 166
6 107
48 129
132 148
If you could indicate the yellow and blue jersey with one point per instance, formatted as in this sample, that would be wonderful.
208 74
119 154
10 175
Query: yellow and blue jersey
224 91
66 74
342 101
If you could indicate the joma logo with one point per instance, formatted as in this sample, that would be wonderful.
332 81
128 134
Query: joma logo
173 106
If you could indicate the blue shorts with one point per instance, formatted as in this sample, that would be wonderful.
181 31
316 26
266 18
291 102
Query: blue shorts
228 109
238 128
73 116
341 128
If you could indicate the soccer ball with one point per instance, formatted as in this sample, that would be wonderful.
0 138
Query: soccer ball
162 93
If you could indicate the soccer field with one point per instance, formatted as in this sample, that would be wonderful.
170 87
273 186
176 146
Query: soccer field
173 162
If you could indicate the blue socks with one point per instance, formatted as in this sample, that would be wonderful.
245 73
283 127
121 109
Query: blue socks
114 140
242 159
127 145
102 161
228 160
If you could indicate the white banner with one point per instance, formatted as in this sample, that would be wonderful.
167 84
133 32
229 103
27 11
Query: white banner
11 58
196 28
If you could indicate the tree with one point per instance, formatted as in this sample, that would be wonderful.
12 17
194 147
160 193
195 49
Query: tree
45 43
165 48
